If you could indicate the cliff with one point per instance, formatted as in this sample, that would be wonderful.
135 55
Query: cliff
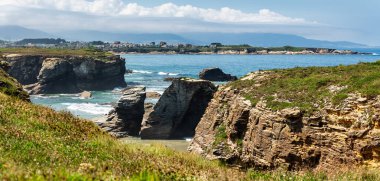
126 117
46 74
178 110
296 119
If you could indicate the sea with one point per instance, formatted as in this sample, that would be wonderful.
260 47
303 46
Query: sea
150 71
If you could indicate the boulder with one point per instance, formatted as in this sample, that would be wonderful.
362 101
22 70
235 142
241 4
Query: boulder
216 74
179 110
85 95
126 117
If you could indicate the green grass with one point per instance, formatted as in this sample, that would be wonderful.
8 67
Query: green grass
308 88
36 142
11 87
221 135
87 52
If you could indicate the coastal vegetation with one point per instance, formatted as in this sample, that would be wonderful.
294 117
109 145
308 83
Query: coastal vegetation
85 52
308 88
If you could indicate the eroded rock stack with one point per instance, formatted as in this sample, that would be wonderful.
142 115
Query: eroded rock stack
66 74
216 74
126 117
234 130
179 110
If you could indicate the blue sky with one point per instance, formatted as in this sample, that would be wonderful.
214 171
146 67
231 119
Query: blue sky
337 20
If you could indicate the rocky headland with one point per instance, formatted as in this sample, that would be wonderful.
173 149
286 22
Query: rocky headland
216 74
47 74
296 119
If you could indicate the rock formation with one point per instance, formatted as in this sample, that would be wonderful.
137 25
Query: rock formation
237 132
10 86
126 117
153 95
85 95
66 74
179 110
215 74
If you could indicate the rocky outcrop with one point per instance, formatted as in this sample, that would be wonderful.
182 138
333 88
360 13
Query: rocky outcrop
179 110
25 68
235 131
9 86
66 74
215 74
85 95
126 117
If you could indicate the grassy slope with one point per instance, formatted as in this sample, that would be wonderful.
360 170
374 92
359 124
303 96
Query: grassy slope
36 142
308 88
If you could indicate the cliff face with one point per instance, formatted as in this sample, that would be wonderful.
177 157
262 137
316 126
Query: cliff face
126 117
66 74
179 110
254 134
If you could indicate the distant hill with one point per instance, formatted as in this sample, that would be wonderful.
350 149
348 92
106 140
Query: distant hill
255 39
42 41
129 37
266 40
15 33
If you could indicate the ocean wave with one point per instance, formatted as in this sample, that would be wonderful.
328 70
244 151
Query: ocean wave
44 96
90 108
165 73
375 54
141 71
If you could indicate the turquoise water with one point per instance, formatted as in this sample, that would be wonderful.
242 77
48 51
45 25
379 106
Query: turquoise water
150 70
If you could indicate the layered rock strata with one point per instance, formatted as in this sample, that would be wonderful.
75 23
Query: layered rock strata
66 74
235 131
178 110
126 117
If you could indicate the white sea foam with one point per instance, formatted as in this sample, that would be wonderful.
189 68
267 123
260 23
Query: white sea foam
141 71
90 108
375 54
165 73
40 96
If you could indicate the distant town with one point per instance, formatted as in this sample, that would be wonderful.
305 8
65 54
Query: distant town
163 47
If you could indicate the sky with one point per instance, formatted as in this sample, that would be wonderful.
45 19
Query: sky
334 20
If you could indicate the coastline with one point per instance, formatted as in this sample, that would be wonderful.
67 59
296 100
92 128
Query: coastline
238 53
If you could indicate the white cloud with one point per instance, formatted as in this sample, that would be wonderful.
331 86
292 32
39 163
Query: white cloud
117 8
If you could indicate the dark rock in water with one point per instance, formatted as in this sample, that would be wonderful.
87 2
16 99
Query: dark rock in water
66 74
179 110
128 71
126 117
215 74
169 79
